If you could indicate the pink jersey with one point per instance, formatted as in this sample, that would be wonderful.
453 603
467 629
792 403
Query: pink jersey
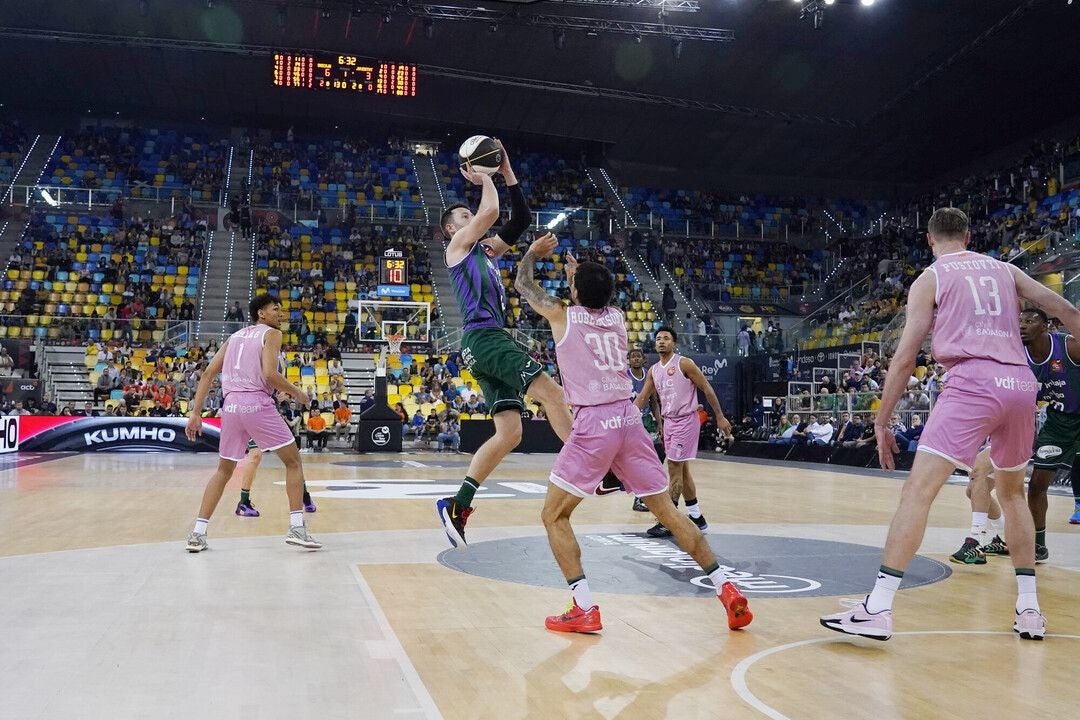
242 370
592 357
678 395
978 313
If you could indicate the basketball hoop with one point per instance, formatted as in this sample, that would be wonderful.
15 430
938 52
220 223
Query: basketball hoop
394 341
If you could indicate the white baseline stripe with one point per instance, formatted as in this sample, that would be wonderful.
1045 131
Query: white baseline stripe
738 675
423 697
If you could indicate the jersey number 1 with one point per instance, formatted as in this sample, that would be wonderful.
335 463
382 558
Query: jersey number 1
993 307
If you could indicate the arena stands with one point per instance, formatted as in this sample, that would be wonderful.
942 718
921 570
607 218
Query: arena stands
13 145
122 276
140 163
334 174
316 272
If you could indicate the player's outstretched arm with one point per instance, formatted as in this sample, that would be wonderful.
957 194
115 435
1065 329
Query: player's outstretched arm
538 299
508 235
482 220
693 373
920 317
194 424
274 378
1053 304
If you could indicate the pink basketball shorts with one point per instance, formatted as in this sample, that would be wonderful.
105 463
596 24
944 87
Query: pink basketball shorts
609 437
251 416
681 435
984 399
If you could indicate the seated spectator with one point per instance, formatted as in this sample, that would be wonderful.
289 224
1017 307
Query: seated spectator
783 427
821 432
825 400
342 418
908 439
431 425
827 385
866 437
474 406
417 425
796 434
317 432
450 434
368 401
851 429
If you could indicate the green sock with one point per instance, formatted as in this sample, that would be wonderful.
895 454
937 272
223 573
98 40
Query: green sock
1040 537
465 495
245 497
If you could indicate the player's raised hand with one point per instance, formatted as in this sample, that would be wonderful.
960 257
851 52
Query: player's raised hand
570 264
543 246
473 176
504 166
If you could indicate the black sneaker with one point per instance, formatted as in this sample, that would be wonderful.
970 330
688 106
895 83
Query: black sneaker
700 522
453 518
609 484
1042 554
969 553
639 505
658 531
996 546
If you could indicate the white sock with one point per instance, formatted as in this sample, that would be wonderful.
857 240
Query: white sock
694 510
200 525
296 518
978 523
1026 599
998 525
718 577
582 594
881 597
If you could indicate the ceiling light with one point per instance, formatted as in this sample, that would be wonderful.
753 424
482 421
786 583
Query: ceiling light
867 3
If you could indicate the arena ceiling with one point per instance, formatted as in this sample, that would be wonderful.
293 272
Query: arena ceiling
898 92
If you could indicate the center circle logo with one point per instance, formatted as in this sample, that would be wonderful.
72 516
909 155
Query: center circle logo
635 564
381 435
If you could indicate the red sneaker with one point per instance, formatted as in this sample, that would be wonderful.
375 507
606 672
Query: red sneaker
575 620
738 610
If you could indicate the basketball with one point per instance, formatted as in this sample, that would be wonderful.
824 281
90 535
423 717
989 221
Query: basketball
482 153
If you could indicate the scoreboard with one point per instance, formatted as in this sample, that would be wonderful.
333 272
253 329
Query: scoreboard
394 274
344 73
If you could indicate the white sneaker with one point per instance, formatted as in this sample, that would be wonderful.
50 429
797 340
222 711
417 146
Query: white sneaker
857 621
299 537
1030 624
196 542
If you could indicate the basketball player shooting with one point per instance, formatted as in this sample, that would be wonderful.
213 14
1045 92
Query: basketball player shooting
969 301
608 434
502 368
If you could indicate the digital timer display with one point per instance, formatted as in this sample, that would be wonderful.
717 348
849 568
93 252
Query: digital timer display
344 73
395 271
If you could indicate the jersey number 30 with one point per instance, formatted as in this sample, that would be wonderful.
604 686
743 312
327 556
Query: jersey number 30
606 349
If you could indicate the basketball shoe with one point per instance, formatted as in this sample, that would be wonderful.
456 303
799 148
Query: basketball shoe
453 518
1030 624
969 553
639 506
299 537
309 504
738 610
857 621
658 531
1075 519
246 510
996 546
575 620
1042 554
196 542
700 522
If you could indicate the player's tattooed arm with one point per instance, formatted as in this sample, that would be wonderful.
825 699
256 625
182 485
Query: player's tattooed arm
526 283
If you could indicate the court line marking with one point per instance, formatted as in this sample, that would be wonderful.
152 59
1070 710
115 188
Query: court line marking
397 651
738 674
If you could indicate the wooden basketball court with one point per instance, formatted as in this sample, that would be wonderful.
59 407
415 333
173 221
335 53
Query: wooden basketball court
105 615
